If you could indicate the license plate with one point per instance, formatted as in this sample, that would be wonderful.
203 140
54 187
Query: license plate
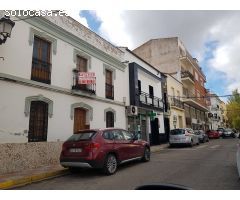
76 150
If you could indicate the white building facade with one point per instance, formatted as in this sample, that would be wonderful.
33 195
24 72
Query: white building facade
146 96
42 98
216 111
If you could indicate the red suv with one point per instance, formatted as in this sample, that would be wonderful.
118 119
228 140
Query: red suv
103 148
213 134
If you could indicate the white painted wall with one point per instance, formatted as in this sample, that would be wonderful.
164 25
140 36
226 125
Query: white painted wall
60 126
18 62
147 80
17 52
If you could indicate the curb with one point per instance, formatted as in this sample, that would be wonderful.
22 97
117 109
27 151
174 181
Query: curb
31 179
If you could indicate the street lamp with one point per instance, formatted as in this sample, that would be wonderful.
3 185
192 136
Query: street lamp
6 26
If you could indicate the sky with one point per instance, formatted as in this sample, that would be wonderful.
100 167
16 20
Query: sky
210 36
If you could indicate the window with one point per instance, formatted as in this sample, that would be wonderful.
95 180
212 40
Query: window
81 136
108 135
118 135
196 76
127 135
109 85
198 95
151 93
173 92
41 66
139 87
109 119
81 64
178 94
38 121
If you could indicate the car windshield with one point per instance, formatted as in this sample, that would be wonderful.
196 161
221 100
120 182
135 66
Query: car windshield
81 136
177 132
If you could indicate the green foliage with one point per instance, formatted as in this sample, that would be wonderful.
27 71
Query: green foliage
233 110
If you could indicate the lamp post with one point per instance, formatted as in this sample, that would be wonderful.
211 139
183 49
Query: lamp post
6 26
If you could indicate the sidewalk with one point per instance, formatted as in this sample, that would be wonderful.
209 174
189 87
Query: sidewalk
17 179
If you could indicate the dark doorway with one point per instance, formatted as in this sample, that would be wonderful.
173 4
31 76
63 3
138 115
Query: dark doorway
167 128
155 132
109 119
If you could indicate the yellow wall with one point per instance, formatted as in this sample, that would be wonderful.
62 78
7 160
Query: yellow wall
174 88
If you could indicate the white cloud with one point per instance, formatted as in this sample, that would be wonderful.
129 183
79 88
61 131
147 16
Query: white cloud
194 28
226 57
75 14
113 27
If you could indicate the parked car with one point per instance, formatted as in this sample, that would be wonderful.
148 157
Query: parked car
103 148
220 131
228 133
213 134
237 135
202 136
238 158
182 136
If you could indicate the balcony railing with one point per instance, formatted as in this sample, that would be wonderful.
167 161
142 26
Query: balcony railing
41 71
177 103
109 91
187 74
90 88
146 99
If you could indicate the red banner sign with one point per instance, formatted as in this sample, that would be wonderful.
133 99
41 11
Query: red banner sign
86 78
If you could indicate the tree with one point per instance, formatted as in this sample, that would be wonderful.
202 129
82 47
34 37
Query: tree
233 110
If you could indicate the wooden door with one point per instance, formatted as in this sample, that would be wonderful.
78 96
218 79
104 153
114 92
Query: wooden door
109 85
38 121
80 120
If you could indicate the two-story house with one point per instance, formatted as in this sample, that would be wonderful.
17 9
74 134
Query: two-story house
57 78
147 98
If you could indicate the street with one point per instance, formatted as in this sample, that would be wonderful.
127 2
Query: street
210 165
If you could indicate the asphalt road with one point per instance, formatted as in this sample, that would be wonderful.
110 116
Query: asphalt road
210 165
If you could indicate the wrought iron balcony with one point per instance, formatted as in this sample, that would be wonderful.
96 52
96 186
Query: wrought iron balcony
90 88
109 91
177 103
149 100
41 71
187 74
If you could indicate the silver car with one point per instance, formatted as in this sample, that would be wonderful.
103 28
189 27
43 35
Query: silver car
184 136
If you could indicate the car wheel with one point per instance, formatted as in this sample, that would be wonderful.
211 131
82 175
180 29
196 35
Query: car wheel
110 165
146 155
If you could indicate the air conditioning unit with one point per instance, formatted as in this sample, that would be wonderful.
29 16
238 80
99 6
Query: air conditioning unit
132 110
